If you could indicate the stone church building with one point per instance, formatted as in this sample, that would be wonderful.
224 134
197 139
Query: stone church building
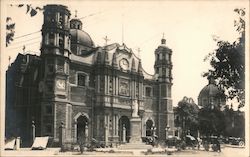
91 90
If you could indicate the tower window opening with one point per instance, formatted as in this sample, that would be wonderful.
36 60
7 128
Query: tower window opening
167 57
163 56
66 20
60 65
51 38
163 71
148 91
50 65
50 17
60 19
60 40
81 78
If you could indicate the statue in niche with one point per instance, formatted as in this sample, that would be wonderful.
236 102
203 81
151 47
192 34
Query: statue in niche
135 109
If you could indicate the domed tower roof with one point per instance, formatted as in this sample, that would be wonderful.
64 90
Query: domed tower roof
210 90
79 38
211 96
163 43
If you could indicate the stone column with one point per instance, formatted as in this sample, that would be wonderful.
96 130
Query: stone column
123 133
18 143
135 130
86 133
106 134
33 127
75 133
116 125
135 124
62 136
166 129
153 130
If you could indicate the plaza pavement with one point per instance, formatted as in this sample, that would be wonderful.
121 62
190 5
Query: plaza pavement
227 151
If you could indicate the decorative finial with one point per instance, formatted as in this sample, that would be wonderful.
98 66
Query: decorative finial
211 80
9 60
75 13
139 50
106 40
163 40
23 49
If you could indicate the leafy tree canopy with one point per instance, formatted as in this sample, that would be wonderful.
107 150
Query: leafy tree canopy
211 122
10 26
188 113
228 63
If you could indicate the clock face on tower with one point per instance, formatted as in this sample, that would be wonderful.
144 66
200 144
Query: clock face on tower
124 64
60 84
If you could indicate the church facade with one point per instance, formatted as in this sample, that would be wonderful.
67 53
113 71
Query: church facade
91 90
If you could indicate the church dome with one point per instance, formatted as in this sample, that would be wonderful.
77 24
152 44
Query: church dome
78 36
210 90
211 96
81 37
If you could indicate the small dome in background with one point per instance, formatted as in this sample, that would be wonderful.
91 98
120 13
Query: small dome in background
211 89
211 95
81 37
81 41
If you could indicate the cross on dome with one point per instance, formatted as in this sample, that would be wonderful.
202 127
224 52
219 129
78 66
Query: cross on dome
106 40
163 40
75 13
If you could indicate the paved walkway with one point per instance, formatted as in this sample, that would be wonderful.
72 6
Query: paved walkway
226 152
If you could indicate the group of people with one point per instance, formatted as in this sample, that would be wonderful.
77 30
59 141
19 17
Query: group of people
206 143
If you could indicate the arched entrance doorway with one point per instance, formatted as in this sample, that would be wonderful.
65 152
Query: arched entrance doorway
124 121
82 128
149 125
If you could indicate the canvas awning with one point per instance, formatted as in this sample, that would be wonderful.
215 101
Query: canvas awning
40 143
10 144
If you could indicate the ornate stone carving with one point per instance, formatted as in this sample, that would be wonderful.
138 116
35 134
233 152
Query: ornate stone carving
123 87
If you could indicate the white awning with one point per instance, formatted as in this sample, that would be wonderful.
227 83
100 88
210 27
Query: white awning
40 143
10 144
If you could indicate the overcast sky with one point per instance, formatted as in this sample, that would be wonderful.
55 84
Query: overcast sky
188 27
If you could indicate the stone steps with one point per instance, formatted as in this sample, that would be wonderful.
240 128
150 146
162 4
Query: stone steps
129 146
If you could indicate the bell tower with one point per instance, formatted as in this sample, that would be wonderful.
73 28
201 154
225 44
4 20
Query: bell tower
55 53
163 72
163 62
55 50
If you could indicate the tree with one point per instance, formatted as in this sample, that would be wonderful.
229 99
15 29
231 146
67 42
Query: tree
235 123
228 63
187 112
10 30
10 26
211 121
